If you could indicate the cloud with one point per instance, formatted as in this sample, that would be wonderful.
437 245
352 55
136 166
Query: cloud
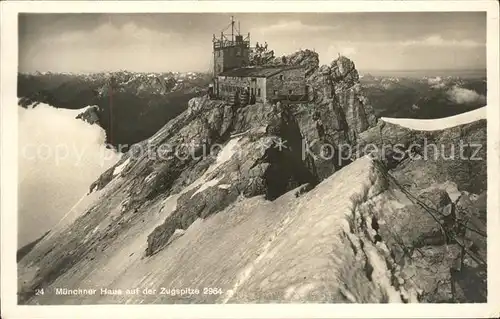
293 26
352 48
465 96
111 33
59 157
348 49
436 82
432 40
437 40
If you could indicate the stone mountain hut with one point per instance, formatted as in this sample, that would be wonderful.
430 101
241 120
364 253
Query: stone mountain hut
239 83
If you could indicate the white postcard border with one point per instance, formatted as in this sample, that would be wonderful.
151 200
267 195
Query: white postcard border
8 157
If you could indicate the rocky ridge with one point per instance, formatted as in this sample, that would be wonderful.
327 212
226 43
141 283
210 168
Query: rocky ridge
90 115
387 246
216 189
433 216
337 112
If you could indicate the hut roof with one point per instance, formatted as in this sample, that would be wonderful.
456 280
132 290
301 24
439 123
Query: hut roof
258 71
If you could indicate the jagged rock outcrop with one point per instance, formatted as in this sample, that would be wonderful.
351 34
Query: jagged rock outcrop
231 192
343 92
456 154
219 152
369 230
261 56
336 114
305 58
90 115
434 219
32 101
260 165
207 125
430 251
103 180
370 241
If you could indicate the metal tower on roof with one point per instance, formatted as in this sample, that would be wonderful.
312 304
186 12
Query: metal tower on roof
231 49
230 35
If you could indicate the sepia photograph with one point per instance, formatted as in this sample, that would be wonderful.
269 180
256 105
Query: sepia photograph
252 157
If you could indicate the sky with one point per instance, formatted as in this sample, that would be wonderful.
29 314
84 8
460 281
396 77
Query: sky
160 42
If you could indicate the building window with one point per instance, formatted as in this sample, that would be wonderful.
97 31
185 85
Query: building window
218 53
282 77
258 92
238 51
275 92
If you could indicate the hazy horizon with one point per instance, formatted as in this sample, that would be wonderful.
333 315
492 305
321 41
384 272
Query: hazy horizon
187 71
181 42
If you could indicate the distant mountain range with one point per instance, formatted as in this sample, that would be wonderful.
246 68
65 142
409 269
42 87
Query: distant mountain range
148 100
463 73
426 97
143 102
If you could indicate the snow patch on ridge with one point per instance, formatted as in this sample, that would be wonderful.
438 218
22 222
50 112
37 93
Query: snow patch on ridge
439 124
228 151
121 167
206 185
224 155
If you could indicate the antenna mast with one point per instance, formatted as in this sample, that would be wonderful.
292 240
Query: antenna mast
232 28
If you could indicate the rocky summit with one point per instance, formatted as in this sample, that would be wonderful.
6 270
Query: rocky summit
90 115
243 200
338 110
